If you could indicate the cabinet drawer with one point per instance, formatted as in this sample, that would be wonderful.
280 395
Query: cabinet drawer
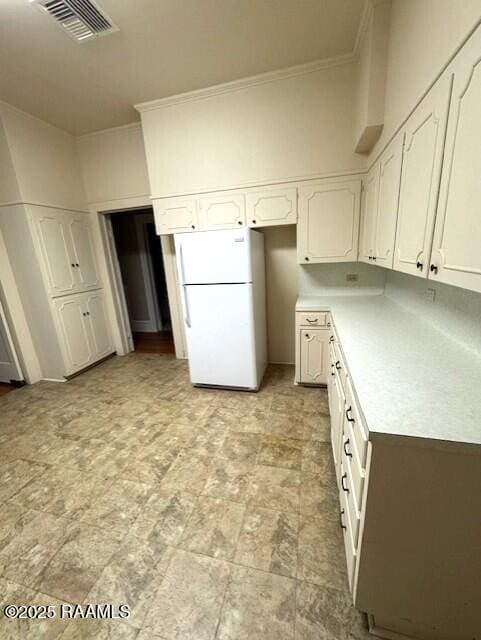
354 483
349 547
311 319
353 418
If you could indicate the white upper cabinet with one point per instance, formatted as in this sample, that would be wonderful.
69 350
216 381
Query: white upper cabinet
388 199
86 268
57 251
369 214
421 169
271 206
328 225
175 215
456 256
221 211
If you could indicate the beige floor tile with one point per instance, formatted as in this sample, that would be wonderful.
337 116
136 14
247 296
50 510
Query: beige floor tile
280 452
230 480
284 425
15 474
317 458
208 440
188 472
321 553
213 528
276 488
164 517
327 614
319 496
98 630
258 606
78 564
268 541
241 447
188 603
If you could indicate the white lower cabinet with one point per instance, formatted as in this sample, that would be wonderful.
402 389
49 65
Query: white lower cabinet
83 328
409 513
312 348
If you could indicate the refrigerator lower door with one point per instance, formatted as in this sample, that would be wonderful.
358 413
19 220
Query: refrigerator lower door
220 335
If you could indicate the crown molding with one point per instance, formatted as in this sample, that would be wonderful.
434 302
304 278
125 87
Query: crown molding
244 83
132 126
366 16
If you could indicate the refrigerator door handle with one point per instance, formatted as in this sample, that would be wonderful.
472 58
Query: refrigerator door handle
184 291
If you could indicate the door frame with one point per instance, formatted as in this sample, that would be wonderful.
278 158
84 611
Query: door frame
11 346
117 309
141 220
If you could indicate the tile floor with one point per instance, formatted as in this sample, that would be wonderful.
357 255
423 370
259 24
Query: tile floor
212 513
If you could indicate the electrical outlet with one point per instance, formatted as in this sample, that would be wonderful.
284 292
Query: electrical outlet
430 294
352 277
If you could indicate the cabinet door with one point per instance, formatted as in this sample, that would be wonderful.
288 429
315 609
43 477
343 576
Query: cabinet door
328 226
369 215
268 207
72 320
224 211
56 251
175 215
457 239
313 350
421 170
99 328
86 272
389 183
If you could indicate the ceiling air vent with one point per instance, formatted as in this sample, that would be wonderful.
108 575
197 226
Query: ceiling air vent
81 19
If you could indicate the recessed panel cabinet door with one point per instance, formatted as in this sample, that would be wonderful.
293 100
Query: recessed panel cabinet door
97 320
224 211
369 215
421 171
57 251
456 256
268 207
328 225
313 356
72 319
86 272
175 215
388 201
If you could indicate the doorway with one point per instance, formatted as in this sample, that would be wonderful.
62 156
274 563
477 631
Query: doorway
11 375
142 280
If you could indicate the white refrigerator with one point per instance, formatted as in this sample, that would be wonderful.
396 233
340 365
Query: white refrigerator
222 286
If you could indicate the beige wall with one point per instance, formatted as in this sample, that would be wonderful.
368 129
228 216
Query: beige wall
270 131
281 285
113 164
423 36
9 190
44 160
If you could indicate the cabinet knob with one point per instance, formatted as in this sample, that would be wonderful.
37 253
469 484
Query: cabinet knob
328 325
306 259
193 226
344 477
419 265
77 264
433 268
239 222
307 335
254 222
73 264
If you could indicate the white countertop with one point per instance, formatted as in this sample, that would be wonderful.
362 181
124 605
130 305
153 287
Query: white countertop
410 379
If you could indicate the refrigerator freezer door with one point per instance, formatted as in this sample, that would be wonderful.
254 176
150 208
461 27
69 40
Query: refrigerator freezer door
220 338
210 257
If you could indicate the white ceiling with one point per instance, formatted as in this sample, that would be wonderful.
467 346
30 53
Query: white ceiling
163 47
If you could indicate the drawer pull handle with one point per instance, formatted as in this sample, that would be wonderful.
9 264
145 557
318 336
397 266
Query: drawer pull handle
315 321
344 477
341 513
433 268
331 339
348 453
419 265
338 365
349 418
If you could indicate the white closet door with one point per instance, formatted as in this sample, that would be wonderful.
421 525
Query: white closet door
56 251
422 161
83 245
369 215
97 320
388 201
71 315
456 257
